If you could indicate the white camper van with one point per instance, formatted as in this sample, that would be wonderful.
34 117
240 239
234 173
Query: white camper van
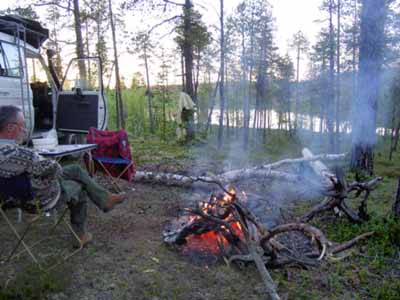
67 107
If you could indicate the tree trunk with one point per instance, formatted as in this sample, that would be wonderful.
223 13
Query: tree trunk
148 92
183 71
196 78
222 72
188 57
365 106
297 101
331 92
354 53
338 85
246 105
79 40
118 92
209 117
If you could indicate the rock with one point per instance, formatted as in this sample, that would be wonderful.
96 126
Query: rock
112 286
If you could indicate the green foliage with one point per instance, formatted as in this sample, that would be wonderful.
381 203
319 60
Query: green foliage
389 289
382 244
137 115
199 37
25 12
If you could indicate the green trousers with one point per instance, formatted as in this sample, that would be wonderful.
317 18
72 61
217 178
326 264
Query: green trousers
77 187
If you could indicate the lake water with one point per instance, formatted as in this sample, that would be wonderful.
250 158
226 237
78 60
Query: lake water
304 121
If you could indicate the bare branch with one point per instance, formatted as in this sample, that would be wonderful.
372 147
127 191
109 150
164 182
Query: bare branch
53 3
163 22
174 3
346 245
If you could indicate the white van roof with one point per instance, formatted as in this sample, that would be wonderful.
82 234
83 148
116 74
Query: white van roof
35 34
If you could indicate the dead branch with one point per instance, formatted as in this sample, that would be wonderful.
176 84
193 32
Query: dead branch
340 247
337 191
344 246
306 229
254 251
162 22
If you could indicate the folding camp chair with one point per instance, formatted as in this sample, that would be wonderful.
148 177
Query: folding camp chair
112 155
16 192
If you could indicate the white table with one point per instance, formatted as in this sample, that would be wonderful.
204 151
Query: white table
63 150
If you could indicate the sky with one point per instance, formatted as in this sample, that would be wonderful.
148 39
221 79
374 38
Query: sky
291 16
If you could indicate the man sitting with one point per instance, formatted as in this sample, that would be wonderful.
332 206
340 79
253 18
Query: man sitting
48 177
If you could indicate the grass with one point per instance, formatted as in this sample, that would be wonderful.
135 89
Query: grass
34 284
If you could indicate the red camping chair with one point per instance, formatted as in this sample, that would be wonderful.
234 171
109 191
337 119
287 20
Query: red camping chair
112 155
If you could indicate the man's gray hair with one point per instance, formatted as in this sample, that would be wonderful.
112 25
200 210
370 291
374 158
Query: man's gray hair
8 114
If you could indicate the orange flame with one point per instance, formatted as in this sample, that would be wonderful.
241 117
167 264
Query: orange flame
212 241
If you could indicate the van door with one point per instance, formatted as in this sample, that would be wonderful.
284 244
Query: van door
81 103
14 88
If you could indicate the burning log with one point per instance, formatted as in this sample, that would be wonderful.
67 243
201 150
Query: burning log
225 227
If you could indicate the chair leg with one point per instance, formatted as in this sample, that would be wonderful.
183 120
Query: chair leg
30 247
114 183
90 163
124 170
19 218
20 239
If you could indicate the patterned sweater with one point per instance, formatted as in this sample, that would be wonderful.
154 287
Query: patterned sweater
44 174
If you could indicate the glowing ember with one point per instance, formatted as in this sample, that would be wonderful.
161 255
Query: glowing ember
211 242
217 238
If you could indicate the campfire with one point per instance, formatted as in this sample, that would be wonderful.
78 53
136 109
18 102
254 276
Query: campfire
210 229
223 228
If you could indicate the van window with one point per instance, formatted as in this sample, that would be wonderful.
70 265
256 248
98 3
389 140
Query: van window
83 74
9 61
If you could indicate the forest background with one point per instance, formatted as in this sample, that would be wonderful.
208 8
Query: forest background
234 71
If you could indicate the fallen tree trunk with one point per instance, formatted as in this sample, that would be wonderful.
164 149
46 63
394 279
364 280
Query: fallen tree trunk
267 171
